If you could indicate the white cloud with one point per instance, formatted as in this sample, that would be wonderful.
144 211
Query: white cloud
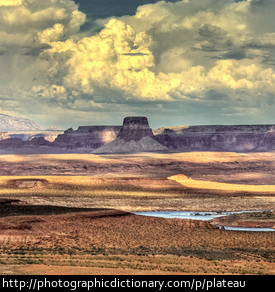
30 17
51 34
182 51
10 2
120 59
117 58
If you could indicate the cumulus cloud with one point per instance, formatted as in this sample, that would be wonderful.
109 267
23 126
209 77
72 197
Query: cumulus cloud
210 45
51 34
170 56
26 18
123 56
118 58
10 2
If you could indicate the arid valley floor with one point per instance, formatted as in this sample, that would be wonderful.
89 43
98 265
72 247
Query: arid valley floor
72 213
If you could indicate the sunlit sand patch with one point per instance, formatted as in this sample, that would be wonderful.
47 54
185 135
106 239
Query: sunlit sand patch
14 158
195 157
199 184
70 186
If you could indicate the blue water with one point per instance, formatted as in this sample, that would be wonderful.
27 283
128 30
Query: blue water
201 216
247 228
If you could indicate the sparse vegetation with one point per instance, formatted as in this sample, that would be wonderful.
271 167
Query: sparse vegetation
108 239
130 264
36 237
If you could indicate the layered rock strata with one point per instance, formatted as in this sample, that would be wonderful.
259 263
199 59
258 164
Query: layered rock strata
134 136
89 137
15 143
134 129
49 135
237 138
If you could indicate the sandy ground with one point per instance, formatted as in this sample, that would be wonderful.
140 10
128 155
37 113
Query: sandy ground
48 240
56 240
252 168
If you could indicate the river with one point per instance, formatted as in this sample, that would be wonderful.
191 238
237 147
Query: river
201 216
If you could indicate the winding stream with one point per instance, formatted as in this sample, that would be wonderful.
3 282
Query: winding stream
202 216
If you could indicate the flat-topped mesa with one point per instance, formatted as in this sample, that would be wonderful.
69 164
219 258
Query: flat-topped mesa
237 138
134 136
134 129
90 137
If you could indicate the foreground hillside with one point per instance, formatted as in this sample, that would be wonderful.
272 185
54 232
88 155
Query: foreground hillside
111 241
69 213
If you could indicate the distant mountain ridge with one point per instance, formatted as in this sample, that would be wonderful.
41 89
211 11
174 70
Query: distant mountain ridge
9 123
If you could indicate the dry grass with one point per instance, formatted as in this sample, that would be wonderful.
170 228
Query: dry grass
29 264
78 186
128 194
73 243
115 241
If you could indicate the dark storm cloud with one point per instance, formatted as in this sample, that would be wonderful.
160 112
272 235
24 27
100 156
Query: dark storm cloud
262 16
185 62
211 31
3 51
269 59
35 51
135 54
234 55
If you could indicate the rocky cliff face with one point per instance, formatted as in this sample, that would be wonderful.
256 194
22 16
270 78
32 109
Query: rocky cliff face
91 137
238 138
49 135
134 129
11 143
15 143
134 136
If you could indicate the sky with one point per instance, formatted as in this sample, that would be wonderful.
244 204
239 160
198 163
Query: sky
94 62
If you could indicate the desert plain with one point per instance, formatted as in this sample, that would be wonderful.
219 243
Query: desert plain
74 213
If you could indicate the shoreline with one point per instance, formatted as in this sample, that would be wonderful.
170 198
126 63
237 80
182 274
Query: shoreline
105 240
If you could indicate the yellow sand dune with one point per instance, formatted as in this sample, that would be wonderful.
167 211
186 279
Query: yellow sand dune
199 184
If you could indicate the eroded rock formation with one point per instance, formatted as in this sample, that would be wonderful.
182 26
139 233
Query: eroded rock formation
134 129
134 136
15 143
237 138
11 143
91 137
49 135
